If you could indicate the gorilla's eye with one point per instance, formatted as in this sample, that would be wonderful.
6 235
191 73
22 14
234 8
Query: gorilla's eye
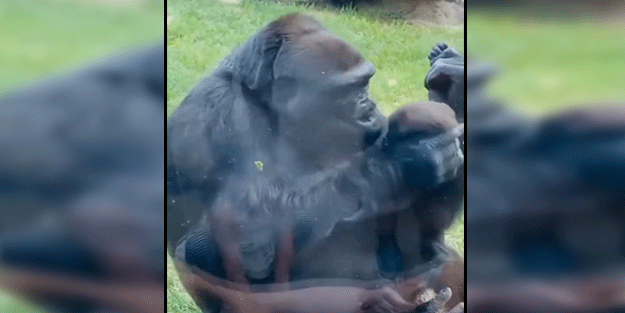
360 85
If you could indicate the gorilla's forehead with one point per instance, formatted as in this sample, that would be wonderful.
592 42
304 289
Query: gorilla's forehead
296 24
429 116
311 44
328 52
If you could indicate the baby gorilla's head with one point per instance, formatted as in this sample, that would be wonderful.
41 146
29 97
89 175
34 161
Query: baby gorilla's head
425 125
420 120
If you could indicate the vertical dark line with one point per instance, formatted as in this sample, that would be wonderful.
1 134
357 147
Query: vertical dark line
466 52
165 156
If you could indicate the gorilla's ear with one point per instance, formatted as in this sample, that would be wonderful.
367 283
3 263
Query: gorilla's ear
254 60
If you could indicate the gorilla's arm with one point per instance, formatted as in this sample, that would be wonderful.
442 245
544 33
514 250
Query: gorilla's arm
445 80
311 296
385 173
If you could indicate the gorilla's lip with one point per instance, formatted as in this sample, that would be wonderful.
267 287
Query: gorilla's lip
367 115
367 120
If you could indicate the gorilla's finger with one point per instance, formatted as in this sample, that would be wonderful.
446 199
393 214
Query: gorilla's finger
437 51
444 148
445 158
458 156
449 159
451 150
439 301
458 308
460 129
453 153
398 303
449 53
449 175
440 70
445 138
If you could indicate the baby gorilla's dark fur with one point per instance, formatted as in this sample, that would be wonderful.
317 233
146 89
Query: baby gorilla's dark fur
252 232
434 211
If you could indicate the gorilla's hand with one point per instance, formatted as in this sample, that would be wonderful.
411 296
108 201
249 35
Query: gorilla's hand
441 50
428 162
445 80
436 303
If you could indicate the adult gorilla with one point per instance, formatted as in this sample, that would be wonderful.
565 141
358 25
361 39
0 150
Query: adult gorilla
294 99
81 173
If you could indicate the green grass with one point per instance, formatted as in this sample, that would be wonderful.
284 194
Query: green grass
548 64
41 37
11 304
201 33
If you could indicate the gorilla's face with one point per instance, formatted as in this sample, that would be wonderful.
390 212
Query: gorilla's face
321 92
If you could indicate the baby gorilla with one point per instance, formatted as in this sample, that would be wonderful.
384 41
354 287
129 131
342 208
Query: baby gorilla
401 244
417 122
251 233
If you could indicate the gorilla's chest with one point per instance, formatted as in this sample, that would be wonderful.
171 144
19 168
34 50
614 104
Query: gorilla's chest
348 252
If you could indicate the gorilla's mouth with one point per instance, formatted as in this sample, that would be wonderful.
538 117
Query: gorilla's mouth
367 120
367 116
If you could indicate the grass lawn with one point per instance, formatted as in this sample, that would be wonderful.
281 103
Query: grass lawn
548 64
201 33
41 37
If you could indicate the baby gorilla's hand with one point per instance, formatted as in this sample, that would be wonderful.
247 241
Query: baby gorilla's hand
429 162
423 142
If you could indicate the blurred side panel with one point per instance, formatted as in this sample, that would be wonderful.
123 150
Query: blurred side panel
545 156
82 161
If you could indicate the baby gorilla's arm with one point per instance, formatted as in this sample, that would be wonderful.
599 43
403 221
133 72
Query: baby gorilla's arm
284 259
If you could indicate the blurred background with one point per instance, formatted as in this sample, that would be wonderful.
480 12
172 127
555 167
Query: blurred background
41 37
48 38
551 54
543 235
